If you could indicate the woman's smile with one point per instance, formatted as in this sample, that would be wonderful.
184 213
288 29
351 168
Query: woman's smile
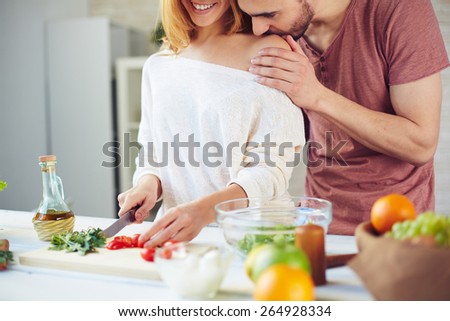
207 12
202 8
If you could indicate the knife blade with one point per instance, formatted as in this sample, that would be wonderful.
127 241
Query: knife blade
118 225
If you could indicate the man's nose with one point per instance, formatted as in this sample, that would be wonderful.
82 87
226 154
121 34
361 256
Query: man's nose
259 28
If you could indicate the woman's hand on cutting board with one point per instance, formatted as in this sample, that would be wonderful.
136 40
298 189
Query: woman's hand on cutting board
144 196
183 222
180 223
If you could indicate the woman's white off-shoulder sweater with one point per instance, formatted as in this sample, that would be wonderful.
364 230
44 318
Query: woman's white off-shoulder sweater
205 126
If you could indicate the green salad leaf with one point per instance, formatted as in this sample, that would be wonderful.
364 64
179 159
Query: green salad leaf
251 241
3 185
6 256
83 242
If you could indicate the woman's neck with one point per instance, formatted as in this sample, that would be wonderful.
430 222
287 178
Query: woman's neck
205 34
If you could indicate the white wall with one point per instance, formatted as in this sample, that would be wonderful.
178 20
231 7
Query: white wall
138 14
23 96
442 159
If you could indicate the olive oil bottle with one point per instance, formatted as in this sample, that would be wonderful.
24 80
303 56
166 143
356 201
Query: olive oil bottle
53 215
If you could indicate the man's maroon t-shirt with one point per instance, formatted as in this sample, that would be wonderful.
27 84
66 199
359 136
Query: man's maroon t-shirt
381 43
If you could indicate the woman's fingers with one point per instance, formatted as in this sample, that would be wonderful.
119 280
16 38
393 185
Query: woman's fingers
180 223
121 199
160 231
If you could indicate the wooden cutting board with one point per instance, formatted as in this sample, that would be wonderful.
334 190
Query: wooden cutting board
123 262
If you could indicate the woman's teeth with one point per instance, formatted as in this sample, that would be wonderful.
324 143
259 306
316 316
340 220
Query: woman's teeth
202 6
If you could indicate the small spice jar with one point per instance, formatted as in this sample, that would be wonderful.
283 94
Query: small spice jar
311 239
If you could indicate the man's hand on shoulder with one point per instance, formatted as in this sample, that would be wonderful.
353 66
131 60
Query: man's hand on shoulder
288 70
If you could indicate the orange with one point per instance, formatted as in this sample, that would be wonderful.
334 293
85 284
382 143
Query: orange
390 209
281 282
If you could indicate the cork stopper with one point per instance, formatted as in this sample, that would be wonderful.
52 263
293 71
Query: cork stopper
47 158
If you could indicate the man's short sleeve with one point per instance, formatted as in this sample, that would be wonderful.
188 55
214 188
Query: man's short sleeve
414 45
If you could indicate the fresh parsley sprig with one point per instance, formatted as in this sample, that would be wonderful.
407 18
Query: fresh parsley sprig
83 242
6 256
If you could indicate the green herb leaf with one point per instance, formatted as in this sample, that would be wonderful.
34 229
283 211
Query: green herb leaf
251 241
83 242
3 185
6 256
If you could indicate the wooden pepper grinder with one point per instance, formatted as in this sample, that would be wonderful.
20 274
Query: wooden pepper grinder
311 239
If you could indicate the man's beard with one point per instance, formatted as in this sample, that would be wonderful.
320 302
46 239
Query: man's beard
300 25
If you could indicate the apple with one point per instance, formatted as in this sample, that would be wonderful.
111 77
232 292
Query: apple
269 254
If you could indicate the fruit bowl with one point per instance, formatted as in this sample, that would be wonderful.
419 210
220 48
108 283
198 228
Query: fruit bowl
400 270
249 222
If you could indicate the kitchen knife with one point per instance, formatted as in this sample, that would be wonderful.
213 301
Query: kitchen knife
118 225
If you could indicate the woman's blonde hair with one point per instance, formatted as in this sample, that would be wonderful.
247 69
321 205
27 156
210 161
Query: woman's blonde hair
179 28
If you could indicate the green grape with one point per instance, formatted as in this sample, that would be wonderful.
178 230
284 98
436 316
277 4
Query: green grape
441 239
426 230
426 224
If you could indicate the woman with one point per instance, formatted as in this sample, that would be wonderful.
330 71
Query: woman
209 132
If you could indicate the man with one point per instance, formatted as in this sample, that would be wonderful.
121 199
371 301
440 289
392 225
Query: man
366 73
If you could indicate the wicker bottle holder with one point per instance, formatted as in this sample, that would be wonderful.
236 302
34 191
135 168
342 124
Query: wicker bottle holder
46 229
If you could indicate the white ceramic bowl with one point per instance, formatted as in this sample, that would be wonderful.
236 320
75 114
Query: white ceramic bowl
193 271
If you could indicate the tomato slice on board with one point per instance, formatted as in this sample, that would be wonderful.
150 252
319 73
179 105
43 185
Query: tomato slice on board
148 254
166 254
135 240
123 242
115 245
126 240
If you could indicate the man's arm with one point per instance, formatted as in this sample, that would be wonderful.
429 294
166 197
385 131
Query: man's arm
410 135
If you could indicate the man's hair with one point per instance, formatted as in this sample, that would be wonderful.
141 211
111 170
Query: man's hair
179 28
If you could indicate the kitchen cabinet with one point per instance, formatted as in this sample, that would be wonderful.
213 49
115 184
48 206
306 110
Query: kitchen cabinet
81 108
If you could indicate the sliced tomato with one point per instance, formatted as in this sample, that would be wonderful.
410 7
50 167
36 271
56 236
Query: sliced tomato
115 245
126 240
148 254
135 240
3 264
166 254
123 242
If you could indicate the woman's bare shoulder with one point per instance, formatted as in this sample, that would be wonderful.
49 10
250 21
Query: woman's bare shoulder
250 45
271 41
256 43
238 49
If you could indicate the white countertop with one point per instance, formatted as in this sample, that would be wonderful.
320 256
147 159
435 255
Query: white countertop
21 282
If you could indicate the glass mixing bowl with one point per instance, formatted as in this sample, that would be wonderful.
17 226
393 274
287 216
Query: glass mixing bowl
249 222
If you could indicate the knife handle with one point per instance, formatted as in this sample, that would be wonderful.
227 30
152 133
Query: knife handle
131 214
337 260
